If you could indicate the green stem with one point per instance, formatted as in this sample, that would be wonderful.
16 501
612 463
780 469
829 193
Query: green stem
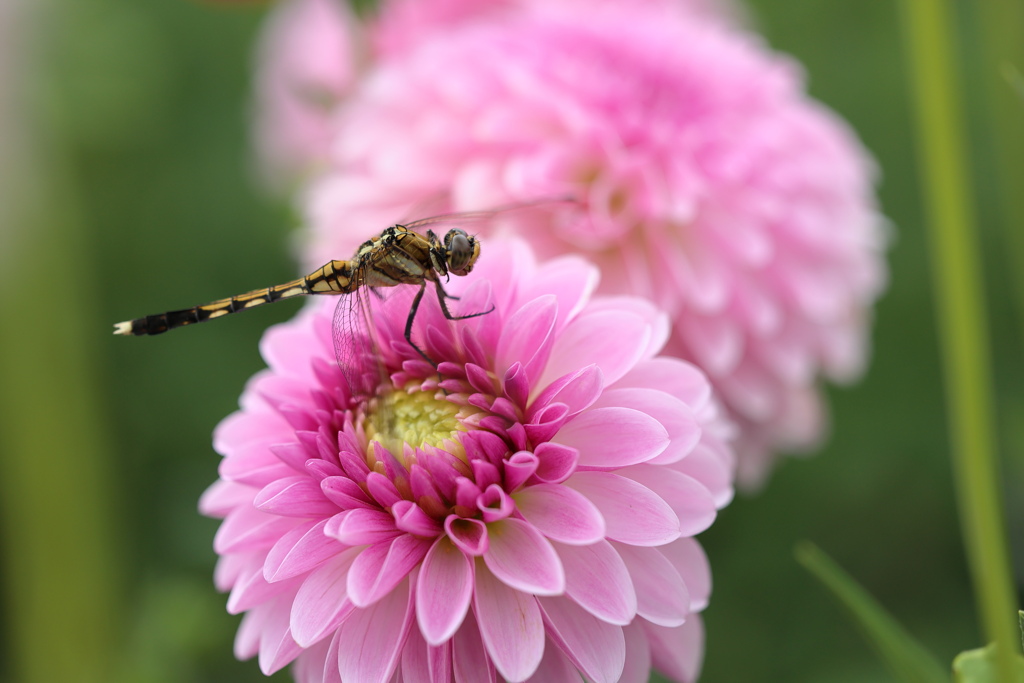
961 317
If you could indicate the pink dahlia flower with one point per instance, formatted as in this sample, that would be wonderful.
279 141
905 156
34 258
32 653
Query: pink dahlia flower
707 180
305 66
525 510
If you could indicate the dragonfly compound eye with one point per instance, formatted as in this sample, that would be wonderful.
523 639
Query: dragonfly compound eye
462 251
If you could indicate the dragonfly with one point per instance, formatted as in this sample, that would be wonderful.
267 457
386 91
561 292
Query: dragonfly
398 256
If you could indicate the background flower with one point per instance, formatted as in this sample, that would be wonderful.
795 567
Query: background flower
709 183
558 470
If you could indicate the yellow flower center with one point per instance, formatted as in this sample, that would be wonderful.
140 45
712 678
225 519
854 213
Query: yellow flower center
417 418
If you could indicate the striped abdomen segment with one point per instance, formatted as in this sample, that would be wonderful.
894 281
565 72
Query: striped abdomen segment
333 278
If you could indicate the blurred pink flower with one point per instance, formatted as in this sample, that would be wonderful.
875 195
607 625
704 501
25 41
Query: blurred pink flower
539 524
312 51
306 64
709 183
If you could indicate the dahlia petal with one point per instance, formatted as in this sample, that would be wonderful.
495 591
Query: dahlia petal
662 597
613 340
299 551
292 454
712 471
224 496
518 468
470 535
381 567
251 589
673 376
321 603
515 385
613 437
253 465
371 639
494 504
249 529
515 645
637 668
422 663
554 666
331 672
689 499
632 512
410 518
598 580
716 343
444 589
360 526
381 488
561 514
242 428
247 638
572 280
677 652
526 338
522 558
277 647
675 416
687 556
555 462
345 493
597 648
297 496
309 666
470 663
577 390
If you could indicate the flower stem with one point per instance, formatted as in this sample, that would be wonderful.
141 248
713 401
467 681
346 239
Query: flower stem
961 317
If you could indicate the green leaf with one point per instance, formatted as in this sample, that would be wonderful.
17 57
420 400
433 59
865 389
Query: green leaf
978 666
907 659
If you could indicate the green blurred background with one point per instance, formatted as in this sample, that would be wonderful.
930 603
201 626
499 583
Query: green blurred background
127 186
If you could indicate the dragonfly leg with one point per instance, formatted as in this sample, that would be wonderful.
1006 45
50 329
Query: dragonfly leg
408 324
442 298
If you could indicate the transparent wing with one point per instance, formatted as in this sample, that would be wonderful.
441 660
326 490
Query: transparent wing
357 345
479 217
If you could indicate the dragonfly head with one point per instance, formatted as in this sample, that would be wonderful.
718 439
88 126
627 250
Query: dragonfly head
461 251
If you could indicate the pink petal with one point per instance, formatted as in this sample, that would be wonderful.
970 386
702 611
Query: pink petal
662 597
361 526
638 655
523 559
674 415
224 496
294 497
554 666
677 652
515 645
711 470
251 589
470 535
422 663
370 641
444 589
633 513
572 280
689 499
555 462
577 390
613 437
381 567
322 603
299 551
277 648
597 648
673 376
598 580
309 666
613 340
561 513
689 559
526 336
248 529
470 662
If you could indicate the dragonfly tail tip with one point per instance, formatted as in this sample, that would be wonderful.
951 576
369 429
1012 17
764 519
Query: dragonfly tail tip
123 328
